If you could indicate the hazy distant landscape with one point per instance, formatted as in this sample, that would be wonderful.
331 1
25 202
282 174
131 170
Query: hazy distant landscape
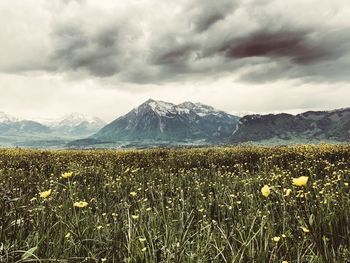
163 124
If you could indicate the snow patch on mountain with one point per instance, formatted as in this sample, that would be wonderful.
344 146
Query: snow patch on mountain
73 120
162 108
165 108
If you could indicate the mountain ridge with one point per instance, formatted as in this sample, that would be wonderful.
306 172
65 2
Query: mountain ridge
159 120
309 125
160 123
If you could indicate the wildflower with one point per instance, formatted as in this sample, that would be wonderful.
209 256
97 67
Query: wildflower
284 236
148 209
288 192
265 190
46 194
276 239
133 193
144 249
103 260
142 240
305 229
99 227
300 181
67 235
80 204
134 216
284 261
67 175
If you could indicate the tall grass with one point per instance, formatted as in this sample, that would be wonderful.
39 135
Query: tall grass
193 205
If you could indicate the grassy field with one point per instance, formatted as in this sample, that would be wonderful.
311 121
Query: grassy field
241 204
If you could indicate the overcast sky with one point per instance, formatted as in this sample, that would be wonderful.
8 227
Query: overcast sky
105 57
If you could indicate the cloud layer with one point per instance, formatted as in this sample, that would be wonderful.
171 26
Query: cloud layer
105 57
159 41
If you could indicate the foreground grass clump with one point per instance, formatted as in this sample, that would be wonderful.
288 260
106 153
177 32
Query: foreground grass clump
241 204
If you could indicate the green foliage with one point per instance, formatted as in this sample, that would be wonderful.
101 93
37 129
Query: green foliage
175 205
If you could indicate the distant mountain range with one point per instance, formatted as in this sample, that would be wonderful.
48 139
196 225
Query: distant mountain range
308 126
76 125
18 132
159 123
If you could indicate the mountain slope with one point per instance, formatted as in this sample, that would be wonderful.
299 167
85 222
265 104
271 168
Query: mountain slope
163 121
53 133
24 126
310 126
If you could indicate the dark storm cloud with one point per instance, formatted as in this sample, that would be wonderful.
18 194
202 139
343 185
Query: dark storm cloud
170 53
301 47
290 44
96 52
296 54
184 40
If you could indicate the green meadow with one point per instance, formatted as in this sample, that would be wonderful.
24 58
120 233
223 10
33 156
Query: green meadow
238 204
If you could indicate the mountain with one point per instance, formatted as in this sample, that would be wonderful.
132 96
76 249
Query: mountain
14 132
159 123
164 121
76 124
308 126
53 133
14 126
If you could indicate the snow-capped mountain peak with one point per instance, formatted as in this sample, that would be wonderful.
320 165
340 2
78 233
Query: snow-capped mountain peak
162 108
75 119
200 109
159 120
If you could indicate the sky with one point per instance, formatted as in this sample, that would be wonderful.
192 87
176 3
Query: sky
103 58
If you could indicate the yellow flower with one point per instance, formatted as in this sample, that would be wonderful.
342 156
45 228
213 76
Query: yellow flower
134 216
300 181
276 239
265 190
305 229
133 193
148 209
144 249
142 240
46 194
80 204
103 260
284 261
288 192
67 175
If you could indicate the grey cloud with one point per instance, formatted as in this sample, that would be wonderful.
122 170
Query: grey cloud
301 46
310 56
170 52
206 13
200 39
96 52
